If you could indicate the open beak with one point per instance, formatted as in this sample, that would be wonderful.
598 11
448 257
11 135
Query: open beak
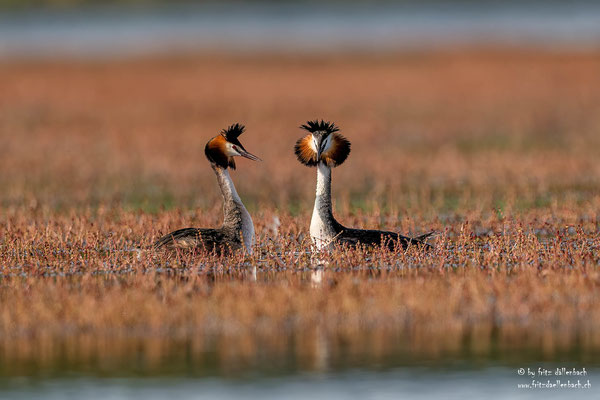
250 156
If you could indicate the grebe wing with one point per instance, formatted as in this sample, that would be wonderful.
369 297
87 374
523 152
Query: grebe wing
190 238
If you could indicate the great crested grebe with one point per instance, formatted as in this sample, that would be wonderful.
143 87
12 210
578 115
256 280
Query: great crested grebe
325 148
237 230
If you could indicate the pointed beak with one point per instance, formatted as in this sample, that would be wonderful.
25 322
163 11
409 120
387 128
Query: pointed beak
247 155
317 144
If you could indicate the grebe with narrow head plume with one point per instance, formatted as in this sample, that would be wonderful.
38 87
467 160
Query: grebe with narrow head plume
237 230
325 148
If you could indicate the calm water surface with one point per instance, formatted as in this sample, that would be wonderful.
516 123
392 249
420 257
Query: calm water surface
413 383
83 370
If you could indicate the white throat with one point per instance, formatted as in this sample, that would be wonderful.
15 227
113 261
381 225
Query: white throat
322 231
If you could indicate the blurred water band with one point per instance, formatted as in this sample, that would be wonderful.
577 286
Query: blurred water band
126 29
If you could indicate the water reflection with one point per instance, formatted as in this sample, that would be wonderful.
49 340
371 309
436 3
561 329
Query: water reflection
313 349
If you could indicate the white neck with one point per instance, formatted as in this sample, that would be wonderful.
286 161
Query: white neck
228 188
234 212
322 227
323 180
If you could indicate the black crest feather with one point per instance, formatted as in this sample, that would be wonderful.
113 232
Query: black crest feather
233 131
215 154
317 126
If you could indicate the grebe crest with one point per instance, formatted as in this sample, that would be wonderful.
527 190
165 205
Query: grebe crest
324 147
237 230
221 149
324 144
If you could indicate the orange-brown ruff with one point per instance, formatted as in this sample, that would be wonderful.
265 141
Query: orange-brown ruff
325 148
237 230
334 156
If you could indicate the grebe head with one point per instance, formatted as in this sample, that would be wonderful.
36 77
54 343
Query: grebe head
323 144
221 149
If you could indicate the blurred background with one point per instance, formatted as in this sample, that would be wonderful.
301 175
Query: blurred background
457 110
464 95
92 29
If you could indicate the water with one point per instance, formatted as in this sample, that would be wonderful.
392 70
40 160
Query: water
414 383
297 27
371 366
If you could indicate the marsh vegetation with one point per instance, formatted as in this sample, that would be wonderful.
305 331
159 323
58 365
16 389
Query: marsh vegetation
496 151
